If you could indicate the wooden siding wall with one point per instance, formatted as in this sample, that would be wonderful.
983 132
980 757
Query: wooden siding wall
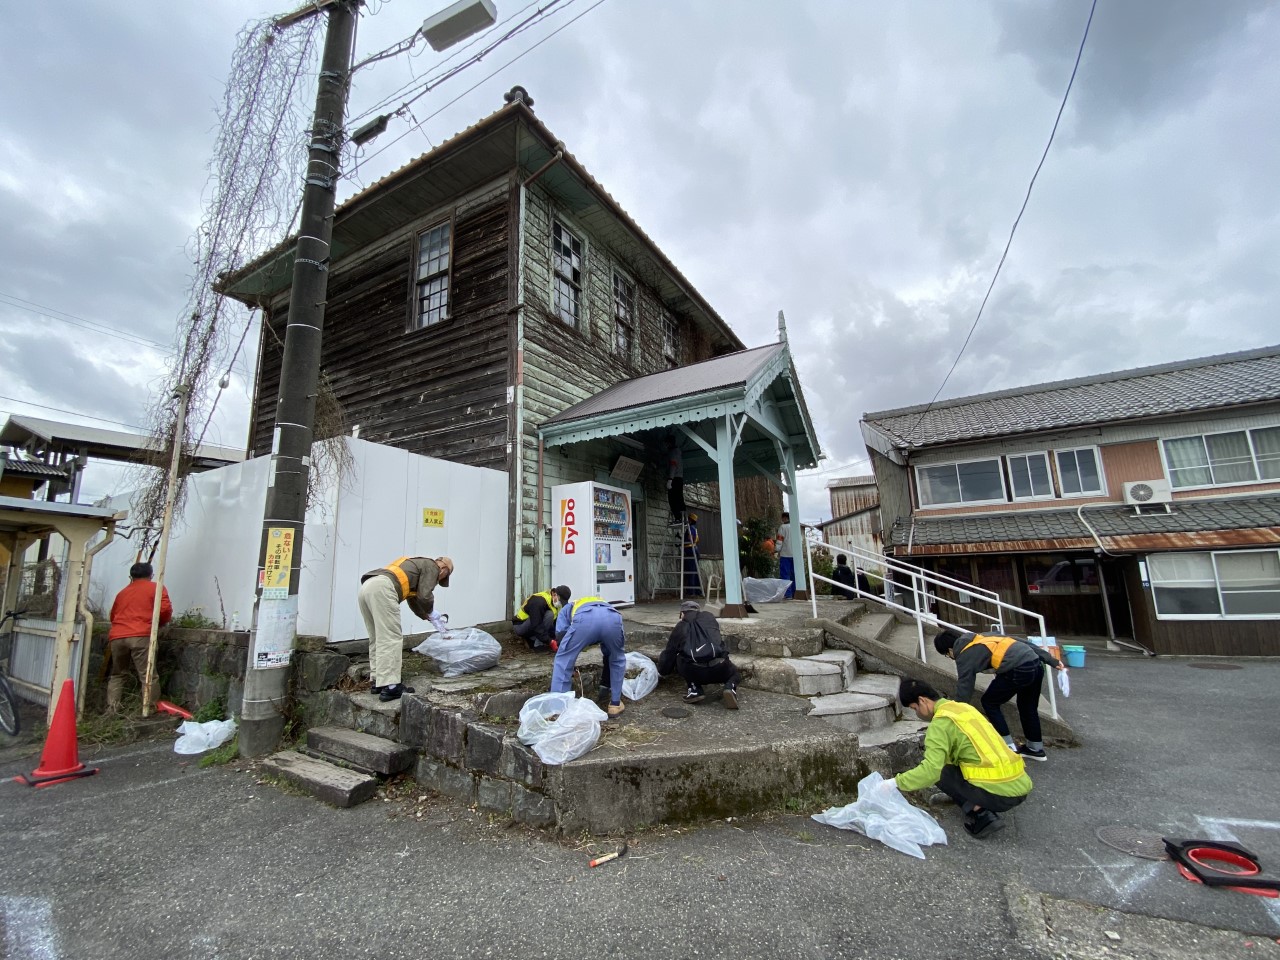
1206 638
439 391
845 500
894 488
563 366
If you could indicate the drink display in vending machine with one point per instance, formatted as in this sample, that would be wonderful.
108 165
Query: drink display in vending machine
592 543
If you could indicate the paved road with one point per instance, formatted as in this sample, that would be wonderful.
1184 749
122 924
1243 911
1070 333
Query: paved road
155 858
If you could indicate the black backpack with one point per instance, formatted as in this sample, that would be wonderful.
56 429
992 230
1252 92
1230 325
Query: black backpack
703 644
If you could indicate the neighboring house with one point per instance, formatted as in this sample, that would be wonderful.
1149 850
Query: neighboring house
1157 489
487 287
855 515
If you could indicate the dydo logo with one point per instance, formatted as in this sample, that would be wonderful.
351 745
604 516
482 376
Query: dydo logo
568 527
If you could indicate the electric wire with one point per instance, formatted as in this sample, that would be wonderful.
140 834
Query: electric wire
74 413
1043 156
483 80
52 313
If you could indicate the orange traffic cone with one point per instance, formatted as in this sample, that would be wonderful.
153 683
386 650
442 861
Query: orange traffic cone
61 757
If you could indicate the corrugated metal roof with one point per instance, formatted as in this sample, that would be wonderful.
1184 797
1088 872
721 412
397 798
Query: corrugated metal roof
1227 380
731 370
851 482
100 442
1187 516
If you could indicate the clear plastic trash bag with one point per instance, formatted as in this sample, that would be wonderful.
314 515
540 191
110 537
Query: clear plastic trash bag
764 590
640 687
885 815
559 726
196 737
466 650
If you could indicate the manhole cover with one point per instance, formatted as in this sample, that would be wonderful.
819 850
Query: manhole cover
1214 666
675 713
1149 846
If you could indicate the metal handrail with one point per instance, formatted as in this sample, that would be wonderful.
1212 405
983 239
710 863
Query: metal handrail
920 597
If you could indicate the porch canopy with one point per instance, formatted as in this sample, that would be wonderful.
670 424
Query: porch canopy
740 414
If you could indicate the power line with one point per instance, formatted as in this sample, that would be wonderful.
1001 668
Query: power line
1025 200
483 80
74 413
51 313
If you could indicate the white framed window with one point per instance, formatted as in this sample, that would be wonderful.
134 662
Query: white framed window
1079 472
1222 459
624 315
566 266
432 285
970 481
670 338
1029 477
1225 584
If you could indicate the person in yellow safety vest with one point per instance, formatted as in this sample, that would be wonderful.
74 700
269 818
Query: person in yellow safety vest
1019 671
409 579
965 757
587 621
535 621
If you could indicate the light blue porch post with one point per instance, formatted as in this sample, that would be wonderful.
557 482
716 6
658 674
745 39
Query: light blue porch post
797 530
733 606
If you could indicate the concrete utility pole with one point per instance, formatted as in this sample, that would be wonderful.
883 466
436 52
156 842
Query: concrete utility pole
275 621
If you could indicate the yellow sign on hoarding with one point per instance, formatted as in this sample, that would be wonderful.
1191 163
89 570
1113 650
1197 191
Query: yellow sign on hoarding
432 517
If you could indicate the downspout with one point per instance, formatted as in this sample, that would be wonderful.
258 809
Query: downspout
539 551
1102 583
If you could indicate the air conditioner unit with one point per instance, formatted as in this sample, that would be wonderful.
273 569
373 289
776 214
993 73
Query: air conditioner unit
1139 493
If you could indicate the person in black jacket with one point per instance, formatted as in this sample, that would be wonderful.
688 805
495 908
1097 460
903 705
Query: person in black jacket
697 653
846 576
535 621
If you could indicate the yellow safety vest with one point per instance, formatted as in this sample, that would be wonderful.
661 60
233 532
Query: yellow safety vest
996 762
545 595
998 646
401 577
574 608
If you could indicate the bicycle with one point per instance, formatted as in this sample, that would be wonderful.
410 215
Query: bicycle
10 717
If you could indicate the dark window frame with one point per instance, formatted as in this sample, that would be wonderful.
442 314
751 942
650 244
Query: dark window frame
575 284
417 280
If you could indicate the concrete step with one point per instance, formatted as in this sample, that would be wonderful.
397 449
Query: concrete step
870 626
797 677
894 748
362 750
325 781
855 712
880 684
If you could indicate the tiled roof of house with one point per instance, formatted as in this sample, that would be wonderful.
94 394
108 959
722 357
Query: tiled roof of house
1227 380
1187 516
31 468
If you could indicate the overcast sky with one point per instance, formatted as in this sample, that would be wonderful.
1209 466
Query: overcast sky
857 164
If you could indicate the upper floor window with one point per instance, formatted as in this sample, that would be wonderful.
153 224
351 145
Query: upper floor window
977 481
624 315
670 339
566 262
1078 473
433 276
1029 477
1240 456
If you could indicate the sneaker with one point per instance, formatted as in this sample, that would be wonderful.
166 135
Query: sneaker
983 824
1030 753
694 694
730 696
615 710
393 691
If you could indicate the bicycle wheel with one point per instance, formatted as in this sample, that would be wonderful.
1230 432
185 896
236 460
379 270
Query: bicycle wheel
9 720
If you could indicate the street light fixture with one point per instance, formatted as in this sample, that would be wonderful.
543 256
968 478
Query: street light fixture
458 21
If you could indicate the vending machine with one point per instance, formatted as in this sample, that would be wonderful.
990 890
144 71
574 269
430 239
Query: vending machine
592 545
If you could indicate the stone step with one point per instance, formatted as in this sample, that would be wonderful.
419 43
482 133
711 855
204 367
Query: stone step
894 748
870 626
880 684
855 712
797 677
363 750
325 781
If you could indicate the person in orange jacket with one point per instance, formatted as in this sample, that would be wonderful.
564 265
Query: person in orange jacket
131 632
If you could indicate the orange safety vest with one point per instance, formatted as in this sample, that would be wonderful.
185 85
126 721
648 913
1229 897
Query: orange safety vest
996 762
998 646
394 568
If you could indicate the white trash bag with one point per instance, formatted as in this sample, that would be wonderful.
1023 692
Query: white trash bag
559 726
885 815
639 687
466 650
765 590
198 737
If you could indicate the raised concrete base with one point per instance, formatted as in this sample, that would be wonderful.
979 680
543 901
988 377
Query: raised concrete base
855 712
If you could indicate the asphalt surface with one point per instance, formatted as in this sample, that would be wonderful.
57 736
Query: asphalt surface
157 858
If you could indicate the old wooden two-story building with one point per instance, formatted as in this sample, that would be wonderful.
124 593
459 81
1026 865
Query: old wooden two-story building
1143 503
491 285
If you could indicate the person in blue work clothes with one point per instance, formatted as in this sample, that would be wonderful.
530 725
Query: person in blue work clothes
580 624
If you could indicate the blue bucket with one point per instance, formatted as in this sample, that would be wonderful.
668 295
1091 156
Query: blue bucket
1075 657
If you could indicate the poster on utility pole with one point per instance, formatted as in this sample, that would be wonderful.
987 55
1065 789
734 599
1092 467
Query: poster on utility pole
273 641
